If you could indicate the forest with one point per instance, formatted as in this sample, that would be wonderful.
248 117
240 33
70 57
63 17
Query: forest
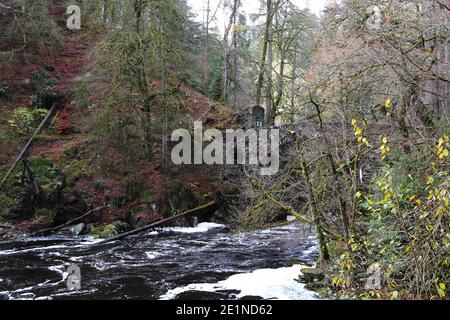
93 91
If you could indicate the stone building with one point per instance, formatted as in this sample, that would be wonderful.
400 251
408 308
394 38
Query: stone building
254 117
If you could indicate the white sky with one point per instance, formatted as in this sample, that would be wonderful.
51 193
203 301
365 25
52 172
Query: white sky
249 7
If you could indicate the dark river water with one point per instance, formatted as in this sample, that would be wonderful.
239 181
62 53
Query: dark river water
171 263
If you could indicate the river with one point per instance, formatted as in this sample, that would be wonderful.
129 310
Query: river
205 262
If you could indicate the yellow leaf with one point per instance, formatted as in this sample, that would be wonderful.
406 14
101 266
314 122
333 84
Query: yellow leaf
430 180
388 103
385 140
394 295
442 286
353 122
364 140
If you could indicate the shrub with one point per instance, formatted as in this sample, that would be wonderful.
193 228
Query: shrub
45 173
405 228
25 121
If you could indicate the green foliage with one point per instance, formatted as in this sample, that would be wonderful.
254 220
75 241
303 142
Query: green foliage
24 121
118 128
148 196
215 85
132 188
105 231
45 84
407 219
76 169
136 56
110 230
45 173
30 28
6 204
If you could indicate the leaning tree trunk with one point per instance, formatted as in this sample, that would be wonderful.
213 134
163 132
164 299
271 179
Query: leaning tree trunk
209 207
27 146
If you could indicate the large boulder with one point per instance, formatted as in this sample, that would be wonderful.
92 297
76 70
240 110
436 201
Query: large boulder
79 229
111 230
312 277
311 274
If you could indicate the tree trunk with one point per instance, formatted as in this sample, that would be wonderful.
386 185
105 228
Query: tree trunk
27 146
262 62
317 217
205 49
226 52
142 80
105 10
342 203
280 87
165 129
270 116
235 56
293 89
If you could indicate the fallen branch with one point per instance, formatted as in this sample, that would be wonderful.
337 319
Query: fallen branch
27 146
6 226
207 207
68 223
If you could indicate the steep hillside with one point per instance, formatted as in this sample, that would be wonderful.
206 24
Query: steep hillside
69 169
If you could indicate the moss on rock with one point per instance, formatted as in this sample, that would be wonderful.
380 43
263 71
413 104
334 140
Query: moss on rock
110 230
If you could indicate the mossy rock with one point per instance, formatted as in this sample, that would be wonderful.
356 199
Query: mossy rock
311 275
105 231
79 229
110 230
